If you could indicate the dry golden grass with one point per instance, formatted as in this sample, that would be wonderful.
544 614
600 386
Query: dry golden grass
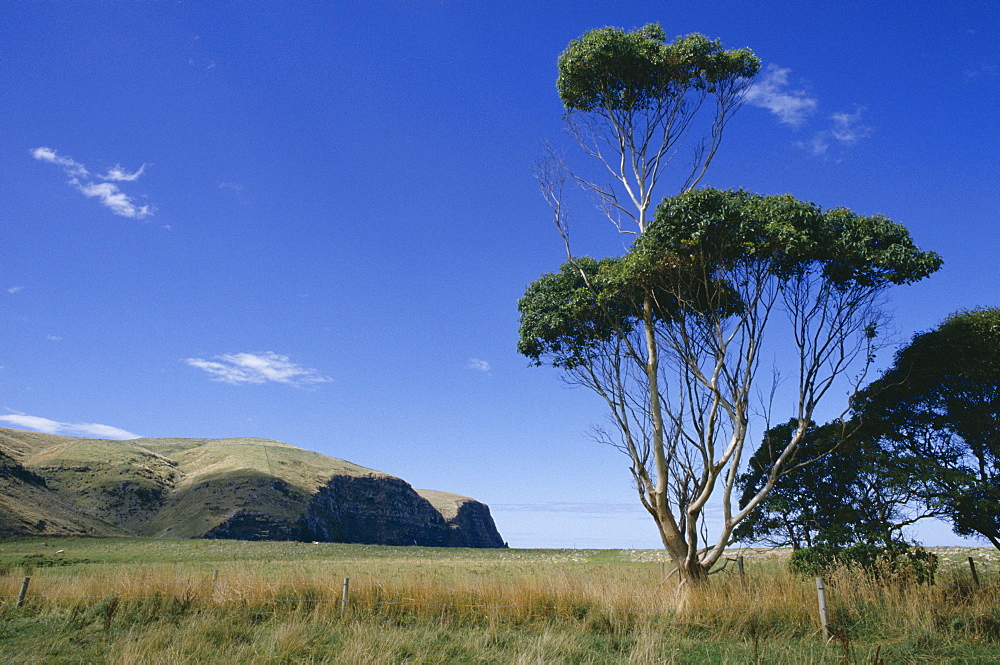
415 605
511 591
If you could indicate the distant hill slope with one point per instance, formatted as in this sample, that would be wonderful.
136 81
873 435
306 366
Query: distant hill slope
244 488
28 507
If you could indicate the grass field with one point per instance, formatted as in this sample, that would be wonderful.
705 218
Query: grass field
194 601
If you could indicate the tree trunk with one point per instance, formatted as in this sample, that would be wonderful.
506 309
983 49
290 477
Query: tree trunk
693 576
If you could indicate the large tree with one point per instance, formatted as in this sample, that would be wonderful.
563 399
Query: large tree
836 489
674 334
938 408
633 101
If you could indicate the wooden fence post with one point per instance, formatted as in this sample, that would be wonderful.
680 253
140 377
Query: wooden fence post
739 564
821 596
975 575
343 598
23 592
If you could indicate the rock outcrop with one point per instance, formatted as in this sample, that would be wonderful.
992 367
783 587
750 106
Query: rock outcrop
469 521
374 509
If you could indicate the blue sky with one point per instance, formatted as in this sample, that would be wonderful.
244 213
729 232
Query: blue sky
312 221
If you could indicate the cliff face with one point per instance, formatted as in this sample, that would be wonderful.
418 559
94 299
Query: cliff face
473 527
253 525
247 489
374 510
469 522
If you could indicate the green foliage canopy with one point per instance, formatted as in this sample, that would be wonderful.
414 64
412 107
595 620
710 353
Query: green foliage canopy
615 70
566 314
938 407
836 490
712 231
693 260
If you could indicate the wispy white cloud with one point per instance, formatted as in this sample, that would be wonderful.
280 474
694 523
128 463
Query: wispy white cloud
478 365
818 145
983 71
772 93
845 130
72 168
22 421
15 289
847 127
108 193
795 107
118 174
113 198
240 368
53 338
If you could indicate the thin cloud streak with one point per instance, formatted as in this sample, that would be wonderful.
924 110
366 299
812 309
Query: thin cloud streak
795 107
38 424
71 167
256 368
106 192
569 507
113 198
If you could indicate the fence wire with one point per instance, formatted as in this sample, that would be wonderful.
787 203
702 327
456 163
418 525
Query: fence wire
228 592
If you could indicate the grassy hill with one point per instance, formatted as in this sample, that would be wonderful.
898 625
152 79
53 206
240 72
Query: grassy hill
248 488
27 506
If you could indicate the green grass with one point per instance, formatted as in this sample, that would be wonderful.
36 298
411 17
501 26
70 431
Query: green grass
134 600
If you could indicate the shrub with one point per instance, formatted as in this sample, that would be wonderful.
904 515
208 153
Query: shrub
898 562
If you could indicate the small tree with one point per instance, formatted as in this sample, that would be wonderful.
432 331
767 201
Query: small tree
672 336
632 99
938 408
836 489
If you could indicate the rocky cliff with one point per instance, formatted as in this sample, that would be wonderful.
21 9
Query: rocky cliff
469 522
252 489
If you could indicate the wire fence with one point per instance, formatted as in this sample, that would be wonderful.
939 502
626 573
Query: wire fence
139 612
741 594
